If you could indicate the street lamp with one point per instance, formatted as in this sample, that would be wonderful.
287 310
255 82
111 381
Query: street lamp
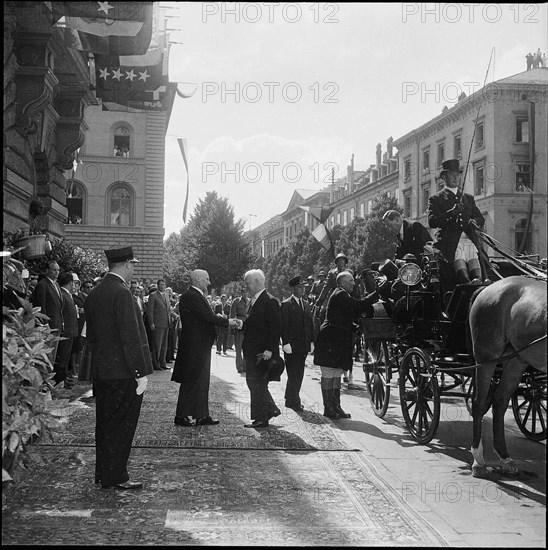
250 216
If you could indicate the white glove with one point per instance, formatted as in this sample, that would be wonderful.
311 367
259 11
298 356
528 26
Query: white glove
287 348
267 355
141 385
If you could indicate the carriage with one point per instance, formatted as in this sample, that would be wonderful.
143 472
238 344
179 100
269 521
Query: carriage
424 351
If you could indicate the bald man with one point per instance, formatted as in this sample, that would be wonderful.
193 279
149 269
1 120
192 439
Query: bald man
193 362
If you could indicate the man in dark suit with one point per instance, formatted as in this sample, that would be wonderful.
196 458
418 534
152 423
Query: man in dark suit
120 363
193 362
333 351
70 328
262 331
159 318
223 309
47 296
455 216
297 340
411 237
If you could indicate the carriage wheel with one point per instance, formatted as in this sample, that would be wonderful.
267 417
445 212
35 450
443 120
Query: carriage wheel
468 386
529 407
419 395
377 375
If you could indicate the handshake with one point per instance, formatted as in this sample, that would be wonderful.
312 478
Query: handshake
238 323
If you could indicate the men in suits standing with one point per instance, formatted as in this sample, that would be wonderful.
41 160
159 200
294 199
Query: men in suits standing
455 216
297 340
223 309
238 310
193 362
70 327
411 237
262 331
333 352
120 363
47 296
159 318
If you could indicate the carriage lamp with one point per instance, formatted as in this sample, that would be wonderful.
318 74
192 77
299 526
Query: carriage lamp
410 274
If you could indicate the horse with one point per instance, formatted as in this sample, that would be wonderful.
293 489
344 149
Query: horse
506 318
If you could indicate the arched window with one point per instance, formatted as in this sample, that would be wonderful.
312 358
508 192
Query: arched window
76 203
527 246
120 205
122 141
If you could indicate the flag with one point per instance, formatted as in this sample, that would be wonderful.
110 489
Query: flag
321 234
137 85
182 146
321 213
115 28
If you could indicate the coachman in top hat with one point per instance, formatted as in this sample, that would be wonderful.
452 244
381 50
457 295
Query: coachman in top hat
455 216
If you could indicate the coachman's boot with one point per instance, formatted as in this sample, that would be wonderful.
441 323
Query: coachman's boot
337 404
329 409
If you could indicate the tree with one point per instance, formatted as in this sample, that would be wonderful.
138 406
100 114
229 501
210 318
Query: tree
380 242
212 240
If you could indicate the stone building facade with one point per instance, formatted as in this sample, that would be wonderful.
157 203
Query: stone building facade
46 91
508 158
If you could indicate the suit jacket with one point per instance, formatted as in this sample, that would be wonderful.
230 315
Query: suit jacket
297 325
415 236
158 310
80 300
238 309
70 315
334 341
115 332
197 336
450 226
49 299
220 309
263 326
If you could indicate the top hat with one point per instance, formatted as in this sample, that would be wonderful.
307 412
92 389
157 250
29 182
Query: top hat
119 255
451 165
389 269
298 280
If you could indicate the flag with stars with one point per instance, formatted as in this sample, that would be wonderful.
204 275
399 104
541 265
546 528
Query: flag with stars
129 81
107 28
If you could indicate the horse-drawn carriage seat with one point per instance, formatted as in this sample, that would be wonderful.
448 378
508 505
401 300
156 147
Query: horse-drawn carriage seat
459 303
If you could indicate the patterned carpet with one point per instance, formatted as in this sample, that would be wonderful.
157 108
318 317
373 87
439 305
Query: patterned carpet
297 483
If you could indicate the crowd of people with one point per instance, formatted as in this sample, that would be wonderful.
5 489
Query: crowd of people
535 60
124 328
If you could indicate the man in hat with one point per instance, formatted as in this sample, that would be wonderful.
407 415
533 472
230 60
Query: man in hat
455 216
341 261
70 329
411 237
333 352
297 340
193 362
120 363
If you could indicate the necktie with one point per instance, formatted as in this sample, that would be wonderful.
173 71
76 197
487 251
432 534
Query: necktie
301 304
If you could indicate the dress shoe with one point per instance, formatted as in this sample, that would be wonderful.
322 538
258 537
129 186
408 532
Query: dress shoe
218 353
277 412
166 368
127 485
157 368
296 408
225 353
207 421
257 424
185 421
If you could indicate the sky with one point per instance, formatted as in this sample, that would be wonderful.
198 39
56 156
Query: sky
284 92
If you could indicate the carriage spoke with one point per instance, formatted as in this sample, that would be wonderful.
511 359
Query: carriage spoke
526 416
428 410
541 417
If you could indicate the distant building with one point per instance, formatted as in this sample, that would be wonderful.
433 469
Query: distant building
508 158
